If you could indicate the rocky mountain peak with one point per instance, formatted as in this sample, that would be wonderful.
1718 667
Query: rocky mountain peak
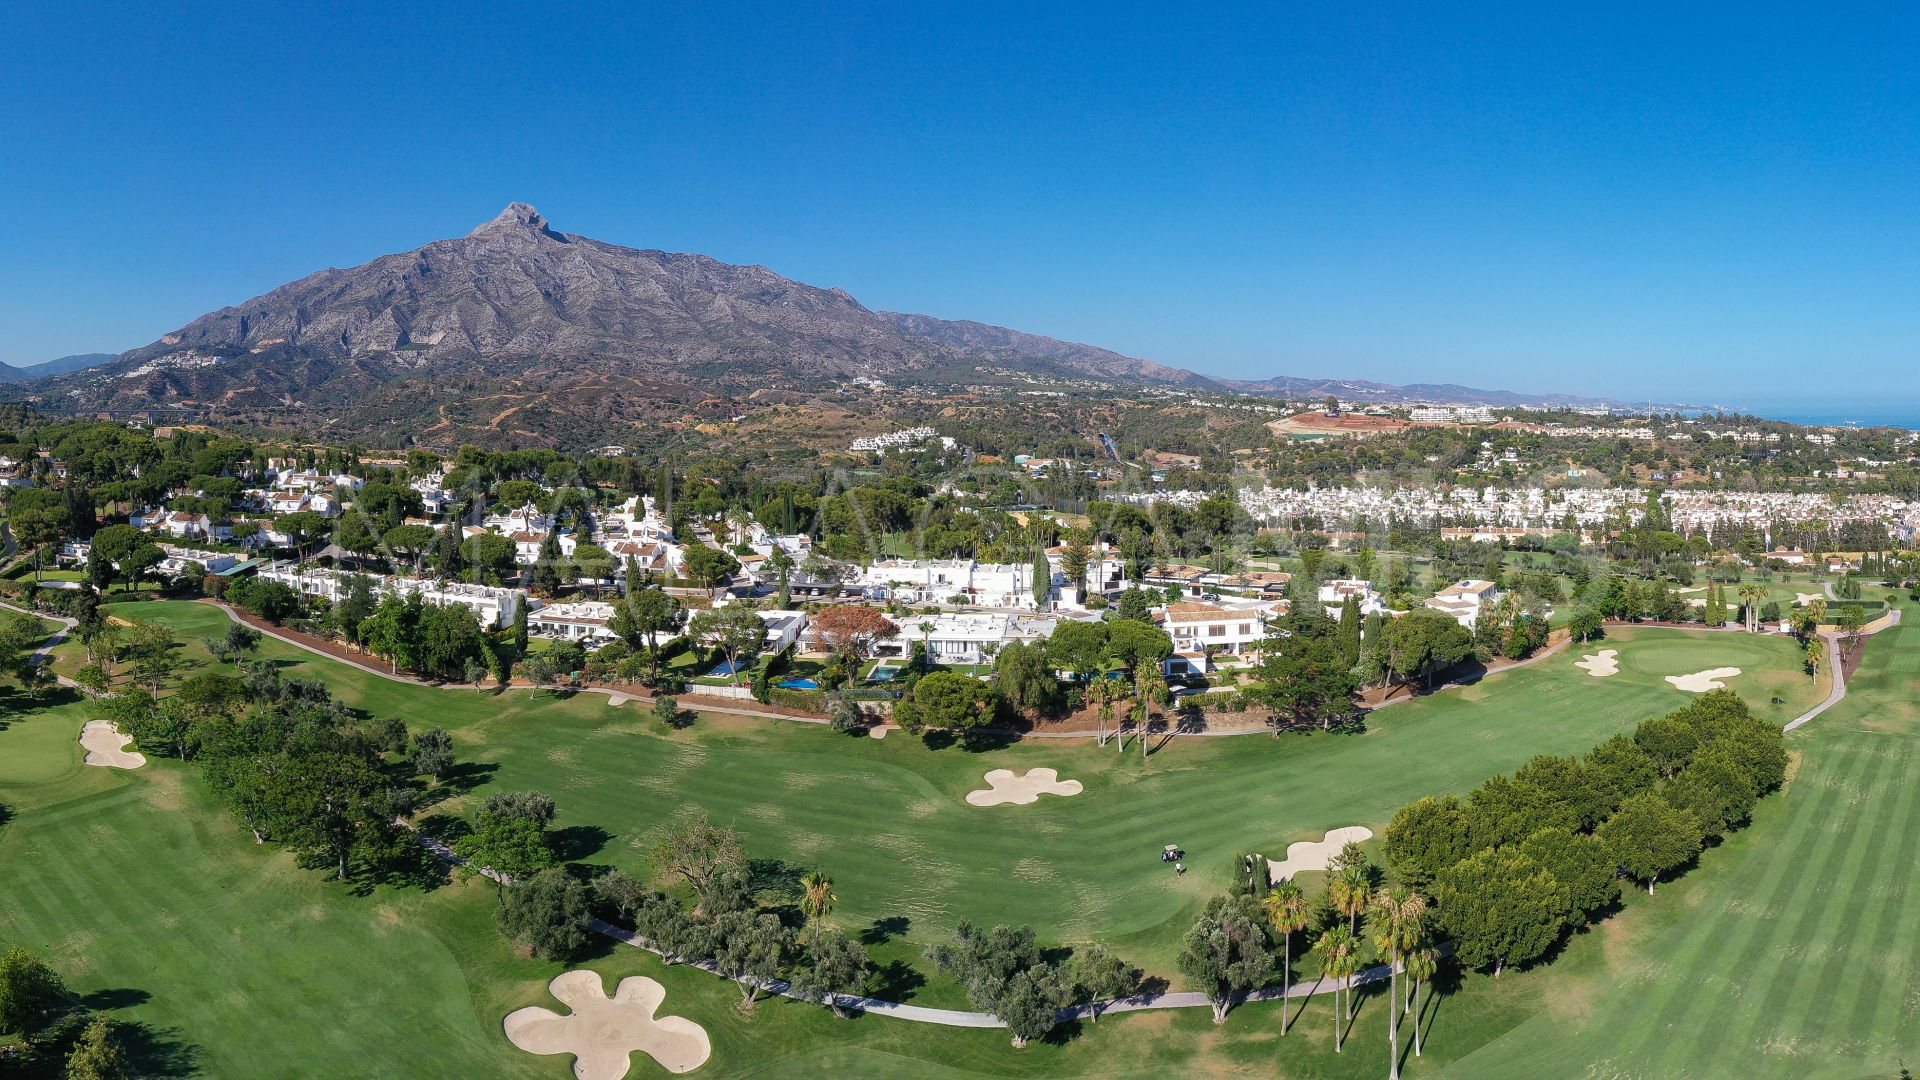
517 217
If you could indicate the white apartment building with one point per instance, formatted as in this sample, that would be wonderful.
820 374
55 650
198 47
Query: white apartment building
938 581
584 620
496 607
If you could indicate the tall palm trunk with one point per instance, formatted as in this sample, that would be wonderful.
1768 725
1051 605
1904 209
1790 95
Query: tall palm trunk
1416 1018
1286 982
1393 1020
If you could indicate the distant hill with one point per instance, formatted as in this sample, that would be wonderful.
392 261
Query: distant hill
517 332
65 364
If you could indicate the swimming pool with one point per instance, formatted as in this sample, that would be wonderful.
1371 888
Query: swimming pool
797 684
883 674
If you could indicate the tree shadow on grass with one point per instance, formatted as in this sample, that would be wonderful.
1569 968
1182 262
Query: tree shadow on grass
462 779
158 1052
774 876
883 930
576 842
976 742
117 998
895 981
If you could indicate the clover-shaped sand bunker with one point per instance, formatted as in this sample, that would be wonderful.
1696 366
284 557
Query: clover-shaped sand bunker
1313 855
1600 664
1702 681
1004 787
107 747
602 1032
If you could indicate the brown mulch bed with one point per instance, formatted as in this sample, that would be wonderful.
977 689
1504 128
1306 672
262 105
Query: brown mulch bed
339 650
1850 661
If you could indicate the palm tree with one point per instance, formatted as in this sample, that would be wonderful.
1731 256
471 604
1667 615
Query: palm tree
1816 655
816 896
1150 687
1350 889
1422 962
1100 692
1817 609
1287 909
1396 916
1339 959
1750 593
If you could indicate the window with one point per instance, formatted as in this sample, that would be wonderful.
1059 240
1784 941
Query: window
1216 630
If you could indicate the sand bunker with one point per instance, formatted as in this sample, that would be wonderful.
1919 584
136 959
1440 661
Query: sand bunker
107 747
601 1033
877 731
1702 681
1807 597
1600 664
1004 787
1683 592
1312 855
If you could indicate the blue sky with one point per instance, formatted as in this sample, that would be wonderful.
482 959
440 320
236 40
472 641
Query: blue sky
1713 204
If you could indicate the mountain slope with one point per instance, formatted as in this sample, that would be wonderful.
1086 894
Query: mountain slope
60 366
517 332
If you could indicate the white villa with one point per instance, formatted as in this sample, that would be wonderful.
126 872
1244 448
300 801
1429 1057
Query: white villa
1464 600
1334 595
966 637
1194 627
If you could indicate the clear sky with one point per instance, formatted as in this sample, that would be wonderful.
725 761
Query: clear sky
1709 201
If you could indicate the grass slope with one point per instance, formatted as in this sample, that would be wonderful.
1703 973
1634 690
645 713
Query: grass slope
136 883
1790 952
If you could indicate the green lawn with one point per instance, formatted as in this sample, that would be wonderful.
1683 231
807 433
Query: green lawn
135 883
1790 952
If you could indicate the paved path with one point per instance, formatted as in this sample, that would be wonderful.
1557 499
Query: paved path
614 697
1838 669
1181 999
44 653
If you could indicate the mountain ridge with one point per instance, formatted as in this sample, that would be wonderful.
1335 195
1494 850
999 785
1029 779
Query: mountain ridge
524 331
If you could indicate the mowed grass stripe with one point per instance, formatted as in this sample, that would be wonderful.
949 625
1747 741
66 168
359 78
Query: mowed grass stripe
1823 847
1852 949
1645 1030
1773 960
1885 941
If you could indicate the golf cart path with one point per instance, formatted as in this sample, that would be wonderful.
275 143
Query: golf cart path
1179 999
44 653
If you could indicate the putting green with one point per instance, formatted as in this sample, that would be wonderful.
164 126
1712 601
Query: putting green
1699 652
